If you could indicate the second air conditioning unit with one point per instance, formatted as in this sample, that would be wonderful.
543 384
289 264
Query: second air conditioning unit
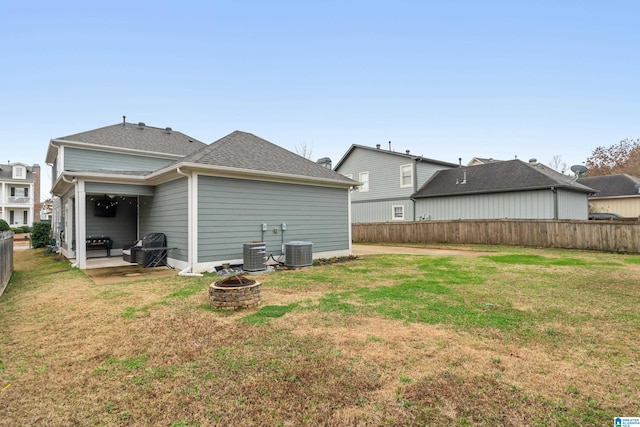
298 254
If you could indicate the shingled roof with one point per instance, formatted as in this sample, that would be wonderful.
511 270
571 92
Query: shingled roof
406 155
242 150
496 177
137 137
6 173
613 185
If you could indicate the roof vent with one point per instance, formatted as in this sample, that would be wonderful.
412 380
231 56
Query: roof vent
168 129
325 162
141 125
378 146
533 161
407 151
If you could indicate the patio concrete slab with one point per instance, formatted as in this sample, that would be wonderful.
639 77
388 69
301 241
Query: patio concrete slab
127 273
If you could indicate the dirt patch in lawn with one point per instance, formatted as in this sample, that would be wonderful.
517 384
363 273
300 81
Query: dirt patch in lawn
110 275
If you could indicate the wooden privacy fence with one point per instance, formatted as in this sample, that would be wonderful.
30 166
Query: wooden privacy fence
6 258
608 236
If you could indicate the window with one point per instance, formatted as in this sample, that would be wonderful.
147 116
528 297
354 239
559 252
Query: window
25 217
13 191
26 192
398 212
364 179
406 176
18 172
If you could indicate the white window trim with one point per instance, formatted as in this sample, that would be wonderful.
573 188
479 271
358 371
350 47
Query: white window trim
393 212
19 172
401 176
361 188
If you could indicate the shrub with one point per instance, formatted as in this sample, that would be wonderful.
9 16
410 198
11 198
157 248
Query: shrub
41 234
4 226
22 229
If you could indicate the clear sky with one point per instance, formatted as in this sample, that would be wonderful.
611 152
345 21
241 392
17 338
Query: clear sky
444 79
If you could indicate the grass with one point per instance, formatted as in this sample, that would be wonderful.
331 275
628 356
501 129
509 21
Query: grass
517 337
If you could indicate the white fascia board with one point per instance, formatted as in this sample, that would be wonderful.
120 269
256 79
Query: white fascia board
110 149
255 175
628 196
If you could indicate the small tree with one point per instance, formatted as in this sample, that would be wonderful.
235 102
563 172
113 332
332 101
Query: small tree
557 164
41 234
304 150
4 226
623 157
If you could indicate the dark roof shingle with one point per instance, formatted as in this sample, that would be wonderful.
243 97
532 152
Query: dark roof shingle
419 158
242 150
613 185
135 137
494 177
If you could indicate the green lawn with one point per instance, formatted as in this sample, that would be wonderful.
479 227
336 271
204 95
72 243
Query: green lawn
514 337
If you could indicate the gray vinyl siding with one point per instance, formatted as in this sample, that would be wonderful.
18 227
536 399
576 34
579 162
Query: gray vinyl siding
516 205
385 188
166 212
572 205
384 174
121 228
232 211
79 159
119 189
380 211
426 171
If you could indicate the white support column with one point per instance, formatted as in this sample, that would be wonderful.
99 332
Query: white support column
193 219
81 225
349 220
3 200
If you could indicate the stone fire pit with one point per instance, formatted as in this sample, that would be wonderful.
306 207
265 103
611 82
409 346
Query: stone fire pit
234 292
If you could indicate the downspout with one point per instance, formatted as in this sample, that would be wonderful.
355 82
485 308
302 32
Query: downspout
186 271
555 202
415 186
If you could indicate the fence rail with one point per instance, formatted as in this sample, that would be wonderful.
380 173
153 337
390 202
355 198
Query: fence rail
6 258
607 236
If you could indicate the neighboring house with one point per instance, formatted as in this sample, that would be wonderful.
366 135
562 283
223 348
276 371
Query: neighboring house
618 194
20 194
481 161
207 199
388 179
505 189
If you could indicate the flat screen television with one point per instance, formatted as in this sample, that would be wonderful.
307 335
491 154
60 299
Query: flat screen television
106 207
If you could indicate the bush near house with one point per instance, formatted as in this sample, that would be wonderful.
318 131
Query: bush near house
41 234
22 229
4 226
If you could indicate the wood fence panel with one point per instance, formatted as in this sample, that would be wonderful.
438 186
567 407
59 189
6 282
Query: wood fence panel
6 258
608 236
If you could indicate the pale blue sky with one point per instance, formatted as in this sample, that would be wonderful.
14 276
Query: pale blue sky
444 79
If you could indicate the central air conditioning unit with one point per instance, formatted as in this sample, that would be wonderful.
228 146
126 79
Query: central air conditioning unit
298 254
254 256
